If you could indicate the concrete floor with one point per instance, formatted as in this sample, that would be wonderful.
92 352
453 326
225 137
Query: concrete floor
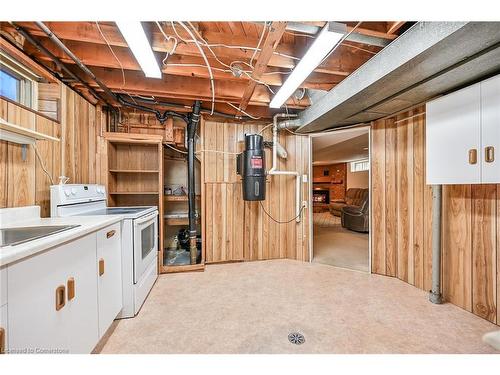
252 307
337 246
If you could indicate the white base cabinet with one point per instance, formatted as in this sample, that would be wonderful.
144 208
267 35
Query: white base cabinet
60 301
109 283
45 314
463 135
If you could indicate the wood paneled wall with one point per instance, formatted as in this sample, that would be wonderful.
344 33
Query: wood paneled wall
238 230
75 156
402 221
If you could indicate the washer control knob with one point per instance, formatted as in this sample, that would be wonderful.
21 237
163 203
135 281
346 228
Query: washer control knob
73 191
67 192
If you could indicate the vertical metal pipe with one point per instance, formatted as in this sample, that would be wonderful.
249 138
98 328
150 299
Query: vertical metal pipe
435 295
191 131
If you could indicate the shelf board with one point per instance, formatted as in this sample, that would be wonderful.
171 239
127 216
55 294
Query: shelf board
173 221
183 268
134 170
134 193
178 198
23 132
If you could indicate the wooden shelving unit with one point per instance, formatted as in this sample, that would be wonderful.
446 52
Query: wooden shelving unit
135 171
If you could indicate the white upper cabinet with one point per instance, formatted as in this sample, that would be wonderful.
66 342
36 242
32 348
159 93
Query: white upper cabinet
490 130
462 135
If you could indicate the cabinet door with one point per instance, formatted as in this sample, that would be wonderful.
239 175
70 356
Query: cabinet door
109 259
490 130
3 330
38 286
452 133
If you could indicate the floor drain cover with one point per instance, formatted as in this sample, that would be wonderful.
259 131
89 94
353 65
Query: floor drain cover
296 338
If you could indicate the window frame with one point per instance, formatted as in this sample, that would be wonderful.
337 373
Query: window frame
28 81
365 165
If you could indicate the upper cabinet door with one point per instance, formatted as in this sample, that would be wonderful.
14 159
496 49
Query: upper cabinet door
490 130
453 132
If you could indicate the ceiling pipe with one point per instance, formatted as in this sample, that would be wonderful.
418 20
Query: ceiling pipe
180 106
57 61
274 169
72 56
435 295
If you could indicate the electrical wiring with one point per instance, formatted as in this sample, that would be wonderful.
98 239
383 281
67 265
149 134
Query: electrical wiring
264 28
340 42
242 111
117 60
42 165
359 48
265 127
212 86
299 34
218 152
279 221
175 149
167 38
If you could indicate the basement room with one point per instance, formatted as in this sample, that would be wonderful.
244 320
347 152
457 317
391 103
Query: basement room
275 181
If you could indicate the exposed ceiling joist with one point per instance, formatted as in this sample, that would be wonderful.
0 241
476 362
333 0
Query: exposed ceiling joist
271 41
343 62
175 86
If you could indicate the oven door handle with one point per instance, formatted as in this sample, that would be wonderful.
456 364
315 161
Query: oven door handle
146 218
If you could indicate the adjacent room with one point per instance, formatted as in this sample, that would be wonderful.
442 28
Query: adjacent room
174 185
340 192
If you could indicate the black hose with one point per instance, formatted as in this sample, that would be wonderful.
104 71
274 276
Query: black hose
175 105
162 117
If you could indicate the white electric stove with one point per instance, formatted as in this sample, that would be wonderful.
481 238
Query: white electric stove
139 237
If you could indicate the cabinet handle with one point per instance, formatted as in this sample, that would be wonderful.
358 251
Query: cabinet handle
2 341
473 156
71 288
111 233
489 153
60 297
101 267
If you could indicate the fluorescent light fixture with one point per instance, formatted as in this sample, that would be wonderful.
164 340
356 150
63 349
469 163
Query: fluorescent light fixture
326 40
137 41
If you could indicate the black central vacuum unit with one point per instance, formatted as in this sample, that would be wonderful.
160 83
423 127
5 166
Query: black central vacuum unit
251 166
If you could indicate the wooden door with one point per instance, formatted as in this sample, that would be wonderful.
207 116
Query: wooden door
36 322
490 130
452 133
109 271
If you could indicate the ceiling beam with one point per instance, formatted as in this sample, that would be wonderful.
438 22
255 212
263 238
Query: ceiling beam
344 61
184 88
25 60
270 44
187 66
393 27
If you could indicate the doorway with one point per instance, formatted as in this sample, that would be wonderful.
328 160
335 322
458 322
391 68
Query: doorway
341 198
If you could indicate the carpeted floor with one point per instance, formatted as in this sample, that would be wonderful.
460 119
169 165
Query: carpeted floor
252 307
337 246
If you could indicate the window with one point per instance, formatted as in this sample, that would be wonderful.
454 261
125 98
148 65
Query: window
9 86
360 165
16 82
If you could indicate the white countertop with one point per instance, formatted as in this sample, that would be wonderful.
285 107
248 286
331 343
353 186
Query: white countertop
88 224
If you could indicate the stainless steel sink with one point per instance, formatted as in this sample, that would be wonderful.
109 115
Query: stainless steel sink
16 236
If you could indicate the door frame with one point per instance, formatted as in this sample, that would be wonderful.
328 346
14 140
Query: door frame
311 226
